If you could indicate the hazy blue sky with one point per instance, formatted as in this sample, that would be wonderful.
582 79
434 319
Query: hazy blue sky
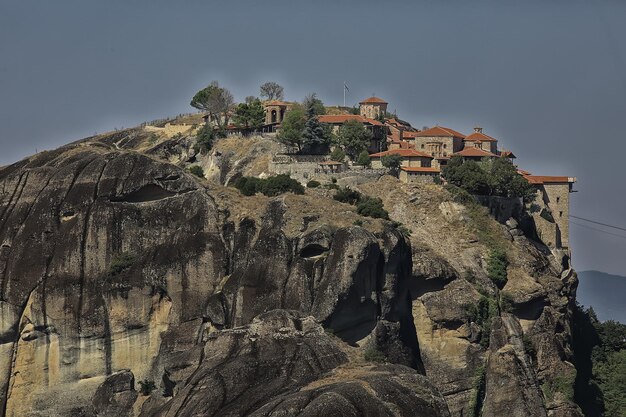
547 78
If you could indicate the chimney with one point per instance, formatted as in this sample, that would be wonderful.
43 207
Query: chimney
478 129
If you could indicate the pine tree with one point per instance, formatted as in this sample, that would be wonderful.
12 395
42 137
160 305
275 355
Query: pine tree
314 137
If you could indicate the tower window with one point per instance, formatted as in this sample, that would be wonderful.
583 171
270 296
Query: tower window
560 214
558 199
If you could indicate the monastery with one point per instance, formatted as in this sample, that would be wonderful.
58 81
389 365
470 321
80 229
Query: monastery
424 153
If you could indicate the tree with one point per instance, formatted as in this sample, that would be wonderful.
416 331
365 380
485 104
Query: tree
354 137
311 101
392 162
272 91
292 127
204 139
314 137
338 154
363 159
215 100
250 115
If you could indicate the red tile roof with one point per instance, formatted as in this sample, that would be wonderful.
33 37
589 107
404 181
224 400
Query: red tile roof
507 154
373 100
546 179
473 151
440 131
479 137
342 118
402 152
409 135
420 169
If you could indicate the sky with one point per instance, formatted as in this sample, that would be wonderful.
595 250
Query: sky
546 78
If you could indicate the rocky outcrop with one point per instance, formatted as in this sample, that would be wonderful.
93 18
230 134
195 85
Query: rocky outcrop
112 260
130 287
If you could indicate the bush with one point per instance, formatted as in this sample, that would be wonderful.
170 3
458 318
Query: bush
372 354
270 187
347 195
496 267
358 222
483 314
205 138
146 386
333 180
313 184
479 391
372 207
196 170
393 162
338 154
363 159
120 262
529 347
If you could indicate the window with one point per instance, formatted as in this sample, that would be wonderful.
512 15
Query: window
445 154
558 199
560 214
445 146
422 146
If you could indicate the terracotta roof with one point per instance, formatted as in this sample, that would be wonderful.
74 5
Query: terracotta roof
440 131
479 137
521 171
342 118
420 169
546 179
402 152
373 100
507 154
409 135
473 151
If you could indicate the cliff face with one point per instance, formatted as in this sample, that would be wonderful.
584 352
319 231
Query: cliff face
119 267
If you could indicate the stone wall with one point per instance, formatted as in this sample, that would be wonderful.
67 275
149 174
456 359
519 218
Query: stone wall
373 111
417 178
447 145
502 208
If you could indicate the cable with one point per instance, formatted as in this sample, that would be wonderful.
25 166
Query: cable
598 230
601 224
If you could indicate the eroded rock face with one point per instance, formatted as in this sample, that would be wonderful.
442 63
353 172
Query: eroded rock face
112 260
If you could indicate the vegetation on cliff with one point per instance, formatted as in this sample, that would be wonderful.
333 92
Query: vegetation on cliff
601 363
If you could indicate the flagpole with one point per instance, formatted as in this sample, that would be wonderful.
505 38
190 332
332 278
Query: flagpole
344 94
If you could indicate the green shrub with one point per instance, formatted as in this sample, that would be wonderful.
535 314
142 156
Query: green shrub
272 186
478 392
313 184
358 222
347 195
333 180
372 207
338 154
483 314
372 354
120 262
363 159
196 170
529 347
146 386
331 186
496 267
506 302
204 139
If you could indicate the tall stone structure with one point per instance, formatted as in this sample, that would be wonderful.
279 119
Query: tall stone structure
373 107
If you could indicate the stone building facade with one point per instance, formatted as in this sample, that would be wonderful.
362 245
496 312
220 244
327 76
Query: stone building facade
439 142
482 141
418 174
275 111
552 193
373 108
410 158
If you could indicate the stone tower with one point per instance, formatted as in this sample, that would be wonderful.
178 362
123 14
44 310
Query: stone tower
373 107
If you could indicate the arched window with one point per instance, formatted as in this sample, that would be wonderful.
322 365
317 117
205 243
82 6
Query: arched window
273 116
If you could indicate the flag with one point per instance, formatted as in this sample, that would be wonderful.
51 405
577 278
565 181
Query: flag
345 86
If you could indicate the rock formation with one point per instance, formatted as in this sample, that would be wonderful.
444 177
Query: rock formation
129 287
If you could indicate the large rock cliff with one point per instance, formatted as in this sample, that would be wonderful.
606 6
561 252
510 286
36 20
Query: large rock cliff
130 287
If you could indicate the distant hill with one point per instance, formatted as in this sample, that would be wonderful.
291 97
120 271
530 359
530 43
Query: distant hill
604 292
